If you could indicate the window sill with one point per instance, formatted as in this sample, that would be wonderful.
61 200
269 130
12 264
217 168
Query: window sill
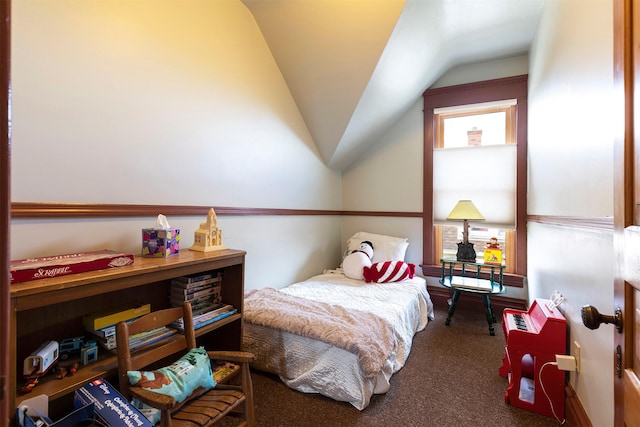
509 279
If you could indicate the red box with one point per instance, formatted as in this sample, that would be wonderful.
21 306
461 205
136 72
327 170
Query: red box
24 270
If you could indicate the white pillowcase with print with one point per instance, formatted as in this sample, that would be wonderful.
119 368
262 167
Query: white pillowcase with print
385 248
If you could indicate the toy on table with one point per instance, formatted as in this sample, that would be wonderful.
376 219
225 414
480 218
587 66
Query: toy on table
492 252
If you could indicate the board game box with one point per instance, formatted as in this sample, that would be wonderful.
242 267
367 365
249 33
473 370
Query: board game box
24 270
110 406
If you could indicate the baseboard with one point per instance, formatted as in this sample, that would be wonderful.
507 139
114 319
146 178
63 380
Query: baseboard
574 412
440 297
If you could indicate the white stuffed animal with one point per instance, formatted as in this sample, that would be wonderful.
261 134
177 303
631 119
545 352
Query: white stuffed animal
354 263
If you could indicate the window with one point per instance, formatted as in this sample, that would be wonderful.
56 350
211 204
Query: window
480 127
475 159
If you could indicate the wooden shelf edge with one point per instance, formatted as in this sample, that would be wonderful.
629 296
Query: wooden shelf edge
143 270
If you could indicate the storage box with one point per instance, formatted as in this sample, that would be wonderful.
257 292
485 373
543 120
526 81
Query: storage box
23 270
110 406
31 417
493 256
160 243
111 316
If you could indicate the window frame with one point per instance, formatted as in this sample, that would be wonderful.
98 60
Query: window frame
510 139
476 93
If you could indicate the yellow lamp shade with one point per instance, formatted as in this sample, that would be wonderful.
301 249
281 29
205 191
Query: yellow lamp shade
465 209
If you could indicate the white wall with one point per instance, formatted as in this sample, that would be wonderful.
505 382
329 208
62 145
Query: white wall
497 69
390 176
571 174
179 102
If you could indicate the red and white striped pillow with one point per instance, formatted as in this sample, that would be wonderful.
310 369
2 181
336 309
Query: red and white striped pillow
389 271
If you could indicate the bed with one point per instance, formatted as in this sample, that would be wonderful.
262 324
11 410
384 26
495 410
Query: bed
336 336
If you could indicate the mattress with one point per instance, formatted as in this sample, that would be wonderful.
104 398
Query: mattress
315 366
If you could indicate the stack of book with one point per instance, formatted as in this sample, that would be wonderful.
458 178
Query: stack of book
203 291
144 339
215 313
103 324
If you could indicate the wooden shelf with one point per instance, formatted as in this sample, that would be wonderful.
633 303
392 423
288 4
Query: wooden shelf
53 308
470 284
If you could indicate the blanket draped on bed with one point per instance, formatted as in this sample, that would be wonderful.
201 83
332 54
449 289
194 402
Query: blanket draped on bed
366 335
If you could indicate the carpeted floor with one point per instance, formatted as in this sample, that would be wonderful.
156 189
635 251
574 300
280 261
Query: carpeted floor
450 379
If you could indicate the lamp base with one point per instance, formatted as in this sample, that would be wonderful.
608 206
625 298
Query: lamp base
466 252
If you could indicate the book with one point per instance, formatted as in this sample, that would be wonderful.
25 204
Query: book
213 290
24 270
135 338
108 343
493 256
106 332
222 370
206 309
138 342
196 277
114 315
188 291
152 340
471 283
215 313
180 327
177 284
196 303
214 319
222 308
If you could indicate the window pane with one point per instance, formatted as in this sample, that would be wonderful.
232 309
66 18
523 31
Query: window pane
484 175
475 130
479 236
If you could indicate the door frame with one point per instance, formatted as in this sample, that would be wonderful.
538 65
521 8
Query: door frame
5 207
625 189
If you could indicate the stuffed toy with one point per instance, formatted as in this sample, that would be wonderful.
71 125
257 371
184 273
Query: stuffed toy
388 271
355 262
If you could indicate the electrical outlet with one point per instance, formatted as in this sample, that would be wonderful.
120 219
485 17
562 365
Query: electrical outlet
566 363
576 354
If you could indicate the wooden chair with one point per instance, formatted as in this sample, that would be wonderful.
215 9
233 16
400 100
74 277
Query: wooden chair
203 410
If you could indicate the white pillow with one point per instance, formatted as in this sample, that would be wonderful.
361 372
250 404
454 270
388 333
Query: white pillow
385 248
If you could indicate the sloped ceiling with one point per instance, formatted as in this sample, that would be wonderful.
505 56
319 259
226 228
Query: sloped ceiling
355 66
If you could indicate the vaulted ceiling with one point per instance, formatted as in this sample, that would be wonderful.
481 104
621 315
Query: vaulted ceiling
354 67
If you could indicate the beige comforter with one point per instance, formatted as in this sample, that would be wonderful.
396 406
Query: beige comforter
366 335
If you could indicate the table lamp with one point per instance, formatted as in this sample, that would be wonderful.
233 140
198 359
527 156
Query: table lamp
465 210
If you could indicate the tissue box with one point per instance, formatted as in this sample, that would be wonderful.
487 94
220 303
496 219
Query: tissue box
110 407
160 243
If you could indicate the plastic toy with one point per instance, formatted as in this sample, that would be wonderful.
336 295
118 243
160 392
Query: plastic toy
38 363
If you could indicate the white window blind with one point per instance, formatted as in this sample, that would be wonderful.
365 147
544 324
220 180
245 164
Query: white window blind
486 175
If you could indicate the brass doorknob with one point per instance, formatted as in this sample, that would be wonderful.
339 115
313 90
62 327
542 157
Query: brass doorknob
592 319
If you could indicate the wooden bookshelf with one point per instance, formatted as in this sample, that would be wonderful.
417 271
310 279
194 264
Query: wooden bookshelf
53 308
